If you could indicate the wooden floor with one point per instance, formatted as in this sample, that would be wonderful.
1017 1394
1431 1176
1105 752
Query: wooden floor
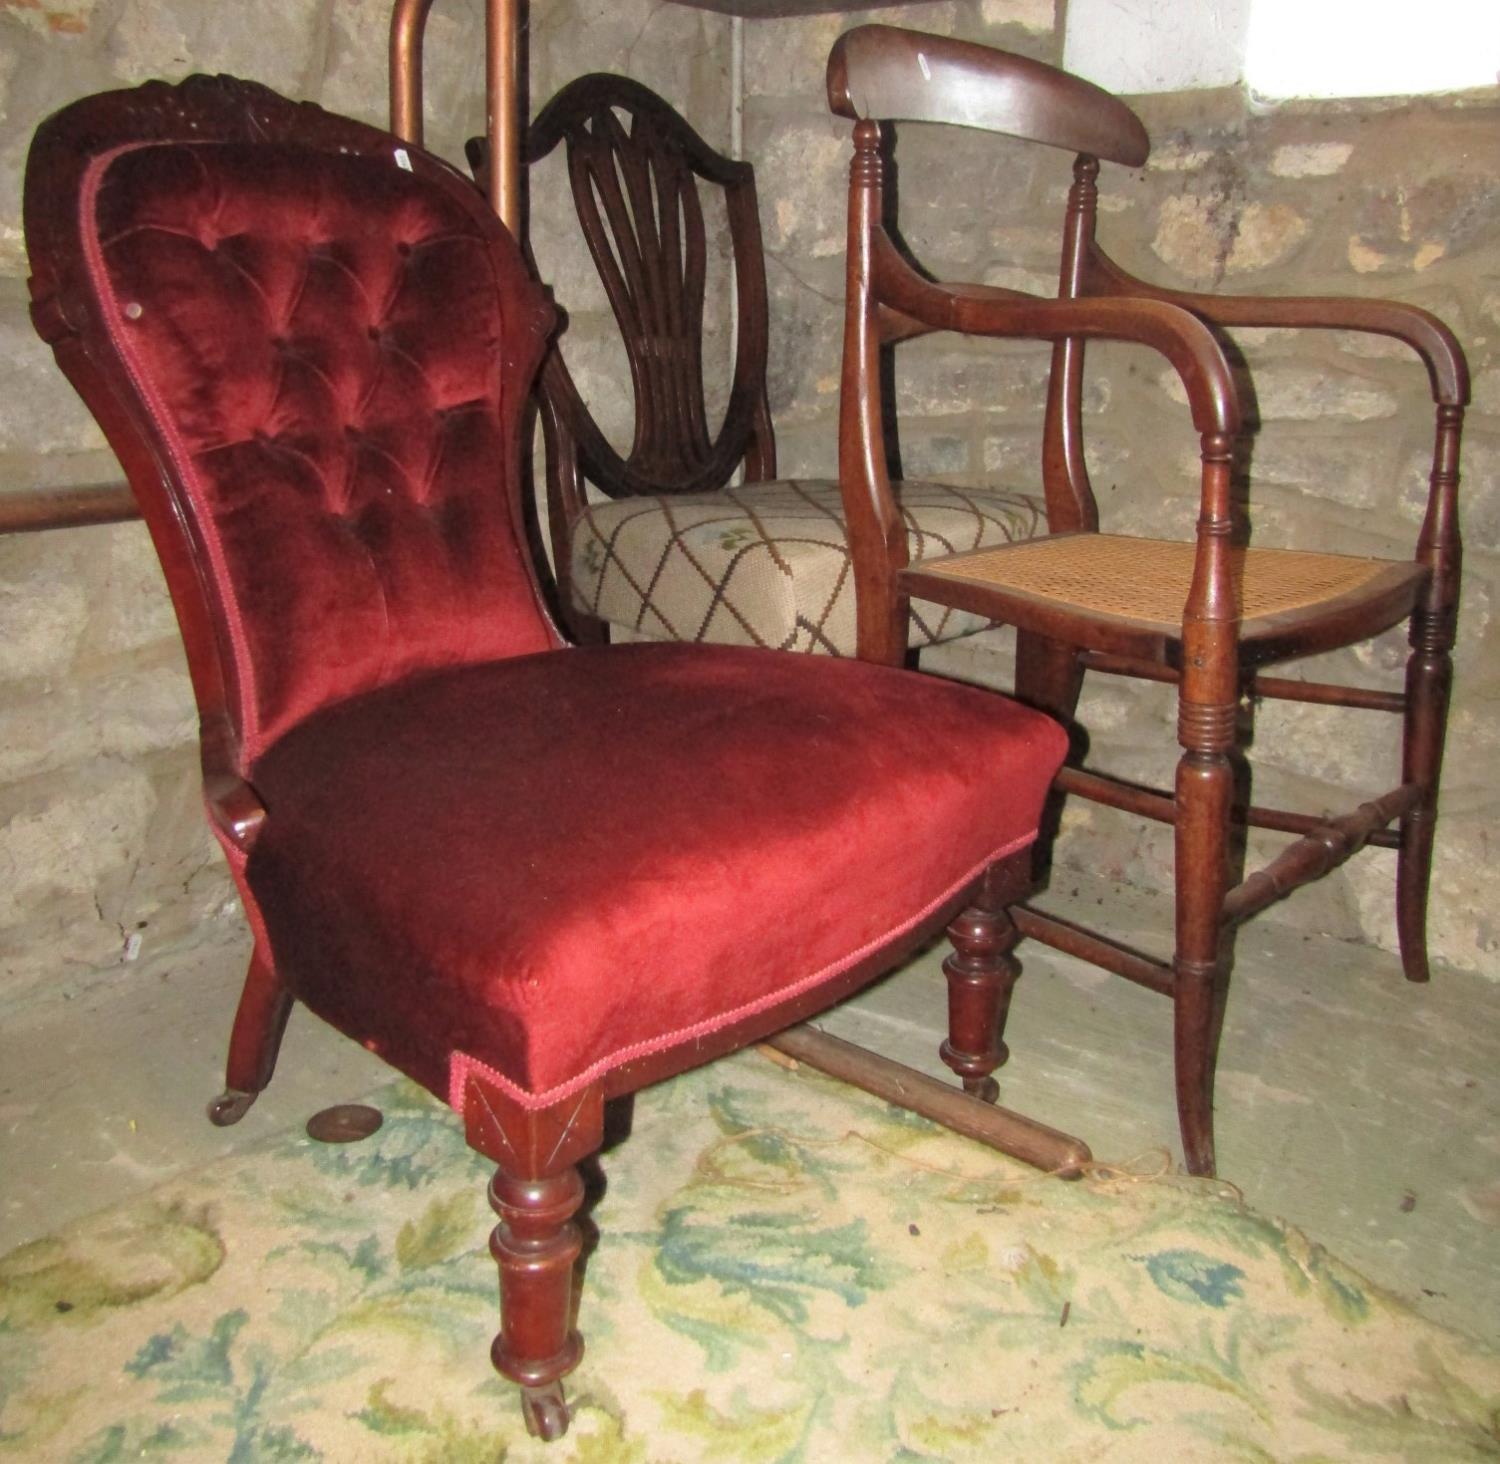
1363 1110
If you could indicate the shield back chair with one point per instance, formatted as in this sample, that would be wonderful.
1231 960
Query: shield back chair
1206 615
670 547
311 348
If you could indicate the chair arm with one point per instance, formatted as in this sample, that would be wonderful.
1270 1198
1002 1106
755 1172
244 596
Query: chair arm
1164 327
1447 369
234 807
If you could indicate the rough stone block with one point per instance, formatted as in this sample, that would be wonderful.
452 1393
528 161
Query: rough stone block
130 606
1289 391
1206 238
39 411
1037 16
125 716
1310 159
806 321
1328 466
55 17
935 379
66 844
679 52
1010 455
1418 220
43 609
281 45
1487 391
805 215
595 357
942 455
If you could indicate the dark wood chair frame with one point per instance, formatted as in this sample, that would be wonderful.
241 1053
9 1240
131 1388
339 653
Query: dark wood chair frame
878 74
537 1188
634 184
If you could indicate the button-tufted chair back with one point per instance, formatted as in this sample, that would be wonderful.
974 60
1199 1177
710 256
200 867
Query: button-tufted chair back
327 341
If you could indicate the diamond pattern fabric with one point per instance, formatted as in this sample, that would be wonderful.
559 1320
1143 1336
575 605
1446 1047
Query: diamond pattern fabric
768 564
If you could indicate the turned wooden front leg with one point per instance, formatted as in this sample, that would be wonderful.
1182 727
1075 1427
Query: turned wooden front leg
536 1193
981 973
1207 712
536 1245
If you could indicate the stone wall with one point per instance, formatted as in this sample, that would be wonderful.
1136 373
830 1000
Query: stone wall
103 849
1399 200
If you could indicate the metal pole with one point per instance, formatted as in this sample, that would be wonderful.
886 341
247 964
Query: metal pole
408 20
503 100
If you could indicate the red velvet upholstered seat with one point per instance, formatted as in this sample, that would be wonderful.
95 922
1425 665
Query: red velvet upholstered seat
529 876
552 864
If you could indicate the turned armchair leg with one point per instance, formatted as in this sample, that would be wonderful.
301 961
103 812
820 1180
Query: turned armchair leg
1204 795
981 974
536 1245
1193 1033
1429 680
259 1022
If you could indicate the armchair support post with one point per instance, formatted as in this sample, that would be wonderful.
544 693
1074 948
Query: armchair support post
877 536
1065 474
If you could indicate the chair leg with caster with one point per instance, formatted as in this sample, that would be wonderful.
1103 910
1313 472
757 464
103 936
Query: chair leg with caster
259 1023
536 1245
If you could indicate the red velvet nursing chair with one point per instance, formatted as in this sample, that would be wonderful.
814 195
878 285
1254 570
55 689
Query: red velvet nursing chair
531 877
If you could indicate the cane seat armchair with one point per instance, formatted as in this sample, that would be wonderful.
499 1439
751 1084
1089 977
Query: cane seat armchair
1207 614
312 349
669 547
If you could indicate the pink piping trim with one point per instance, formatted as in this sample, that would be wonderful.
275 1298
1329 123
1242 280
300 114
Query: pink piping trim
460 1064
110 302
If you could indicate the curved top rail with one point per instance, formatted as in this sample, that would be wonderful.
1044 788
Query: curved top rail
881 72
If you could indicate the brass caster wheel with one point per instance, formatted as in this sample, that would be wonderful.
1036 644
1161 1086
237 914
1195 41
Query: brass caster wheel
545 1412
230 1107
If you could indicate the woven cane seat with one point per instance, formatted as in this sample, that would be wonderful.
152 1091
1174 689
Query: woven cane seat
1145 582
767 564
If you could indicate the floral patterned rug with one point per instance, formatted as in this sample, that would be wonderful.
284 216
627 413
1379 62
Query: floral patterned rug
787 1270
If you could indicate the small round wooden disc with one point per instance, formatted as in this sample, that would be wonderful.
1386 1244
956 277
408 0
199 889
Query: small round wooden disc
344 1123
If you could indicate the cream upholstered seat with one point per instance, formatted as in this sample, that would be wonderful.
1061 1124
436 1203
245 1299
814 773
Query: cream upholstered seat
767 564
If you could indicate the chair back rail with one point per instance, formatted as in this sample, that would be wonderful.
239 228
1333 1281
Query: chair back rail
887 74
635 169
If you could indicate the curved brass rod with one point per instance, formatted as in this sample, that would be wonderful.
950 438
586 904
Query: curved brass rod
408 20
503 120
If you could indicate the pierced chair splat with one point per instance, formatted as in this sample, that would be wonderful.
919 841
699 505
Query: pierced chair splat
312 351
669 547
1206 614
